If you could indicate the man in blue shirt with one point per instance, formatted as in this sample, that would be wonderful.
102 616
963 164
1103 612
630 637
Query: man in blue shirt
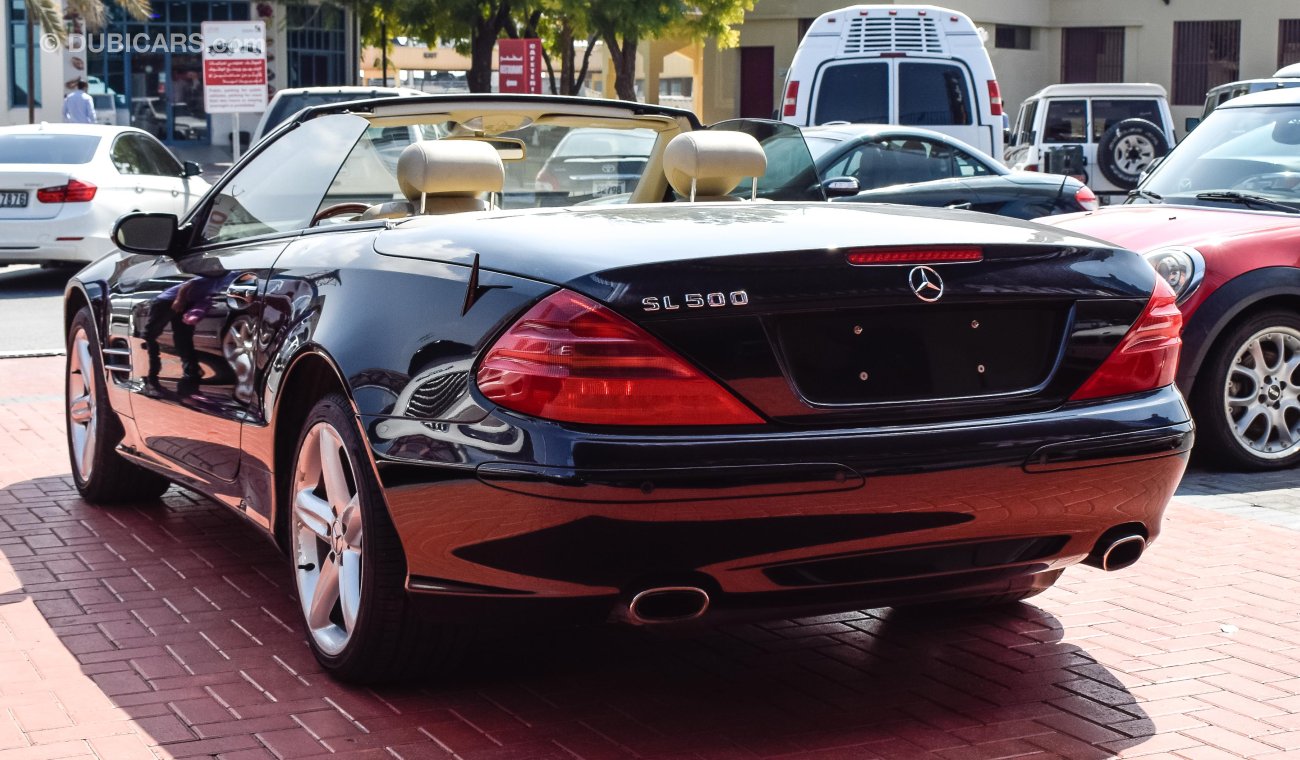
79 107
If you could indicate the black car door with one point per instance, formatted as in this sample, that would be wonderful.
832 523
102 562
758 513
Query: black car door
195 318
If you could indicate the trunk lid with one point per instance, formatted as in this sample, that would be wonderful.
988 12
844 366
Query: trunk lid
764 298
18 186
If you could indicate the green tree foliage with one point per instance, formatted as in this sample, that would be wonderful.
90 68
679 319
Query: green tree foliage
622 24
49 14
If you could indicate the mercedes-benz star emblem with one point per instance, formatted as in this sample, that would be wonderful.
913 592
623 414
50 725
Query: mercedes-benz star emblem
926 284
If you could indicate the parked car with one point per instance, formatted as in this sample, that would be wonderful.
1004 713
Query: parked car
287 102
915 65
1217 96
595 161
1121 129
1219 218
150 115
920 167
454 407
62 186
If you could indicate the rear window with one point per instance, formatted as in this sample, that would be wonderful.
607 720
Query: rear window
854 92
606 142
933 93
1024 134
47 149
1107 113
1066 122
291 104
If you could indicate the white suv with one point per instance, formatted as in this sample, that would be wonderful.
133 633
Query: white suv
1119 129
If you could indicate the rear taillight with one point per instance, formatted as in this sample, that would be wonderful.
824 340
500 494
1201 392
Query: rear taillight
1147 357
1031 168
547 181
1086 198
75 191
995 98
791 104
570 359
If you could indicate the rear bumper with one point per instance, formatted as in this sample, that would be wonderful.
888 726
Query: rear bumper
72 236
788 522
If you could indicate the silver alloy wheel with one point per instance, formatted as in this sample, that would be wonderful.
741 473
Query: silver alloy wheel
1262 393
82 410
1133 153
327 538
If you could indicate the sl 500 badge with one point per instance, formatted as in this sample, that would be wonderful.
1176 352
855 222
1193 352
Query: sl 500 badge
695 301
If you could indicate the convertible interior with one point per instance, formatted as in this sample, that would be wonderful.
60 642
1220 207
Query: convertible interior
415 160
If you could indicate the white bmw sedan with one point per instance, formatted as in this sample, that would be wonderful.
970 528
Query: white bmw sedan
62 186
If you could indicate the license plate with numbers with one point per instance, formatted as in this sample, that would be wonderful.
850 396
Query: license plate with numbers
13 199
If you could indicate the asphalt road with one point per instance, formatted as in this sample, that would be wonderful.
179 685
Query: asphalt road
31 309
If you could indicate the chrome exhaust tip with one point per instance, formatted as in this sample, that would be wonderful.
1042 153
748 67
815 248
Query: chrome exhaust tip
668 604
1118 554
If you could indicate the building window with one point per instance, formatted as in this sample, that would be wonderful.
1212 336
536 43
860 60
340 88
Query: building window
1288 42
1012 36
18 56
1092 54
804 25
1206 54
317 45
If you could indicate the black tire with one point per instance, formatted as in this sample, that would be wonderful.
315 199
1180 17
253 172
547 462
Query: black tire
1216 439
390 640
110 478
1127 148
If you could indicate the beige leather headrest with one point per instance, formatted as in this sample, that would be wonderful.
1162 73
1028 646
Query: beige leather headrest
718 161
449 168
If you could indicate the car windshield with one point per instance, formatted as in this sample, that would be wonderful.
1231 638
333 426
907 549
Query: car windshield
47 149
819 146
1237 151
289 105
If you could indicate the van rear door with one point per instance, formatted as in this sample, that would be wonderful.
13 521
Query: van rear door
937 94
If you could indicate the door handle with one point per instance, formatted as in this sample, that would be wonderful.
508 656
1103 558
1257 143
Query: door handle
961 205
242 291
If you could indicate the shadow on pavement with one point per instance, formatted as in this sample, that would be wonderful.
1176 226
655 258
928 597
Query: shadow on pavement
178 619
33 281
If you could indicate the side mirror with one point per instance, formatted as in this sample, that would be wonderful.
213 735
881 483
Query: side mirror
1191 123
1006 136
191 169
841 187
146 233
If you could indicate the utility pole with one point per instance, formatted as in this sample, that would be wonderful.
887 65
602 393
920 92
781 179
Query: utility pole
31 68
383 48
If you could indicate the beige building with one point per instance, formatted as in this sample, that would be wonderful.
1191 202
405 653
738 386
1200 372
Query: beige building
1185 45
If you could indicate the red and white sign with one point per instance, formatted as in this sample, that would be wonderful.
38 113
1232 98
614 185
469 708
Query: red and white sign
519 66
234 66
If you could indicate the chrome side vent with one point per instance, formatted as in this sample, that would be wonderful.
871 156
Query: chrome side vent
117 359
915 35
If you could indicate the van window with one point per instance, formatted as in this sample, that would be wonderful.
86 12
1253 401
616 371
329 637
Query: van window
1066 122
854 92
1107 113
932 93
1024 134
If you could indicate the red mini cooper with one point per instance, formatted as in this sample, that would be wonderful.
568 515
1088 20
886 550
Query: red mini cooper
1219 219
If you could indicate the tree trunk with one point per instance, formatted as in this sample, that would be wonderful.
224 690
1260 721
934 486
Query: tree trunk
481 44
586 64
624 58
564 39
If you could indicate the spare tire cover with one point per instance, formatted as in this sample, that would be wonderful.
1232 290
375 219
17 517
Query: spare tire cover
1127 148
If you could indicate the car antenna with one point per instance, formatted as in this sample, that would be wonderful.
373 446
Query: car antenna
474 291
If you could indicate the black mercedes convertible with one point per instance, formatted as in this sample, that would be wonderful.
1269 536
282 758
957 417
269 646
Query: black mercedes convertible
454 395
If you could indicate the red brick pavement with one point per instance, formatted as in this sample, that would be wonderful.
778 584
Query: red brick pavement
169 630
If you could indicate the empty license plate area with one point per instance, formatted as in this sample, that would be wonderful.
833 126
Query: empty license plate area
931 352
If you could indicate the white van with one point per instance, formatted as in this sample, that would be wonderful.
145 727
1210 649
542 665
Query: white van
917 65
1119 128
